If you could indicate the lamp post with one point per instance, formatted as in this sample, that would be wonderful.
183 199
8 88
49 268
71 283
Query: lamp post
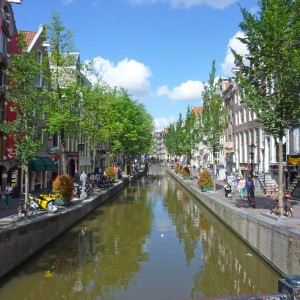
251 152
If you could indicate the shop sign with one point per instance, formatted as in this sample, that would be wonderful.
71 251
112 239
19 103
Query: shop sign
228 147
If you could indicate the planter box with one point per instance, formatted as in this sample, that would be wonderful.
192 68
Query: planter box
63 202
207 189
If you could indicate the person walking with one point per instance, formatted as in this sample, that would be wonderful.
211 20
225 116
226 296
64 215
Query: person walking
83 178
242 186
250 192
8 191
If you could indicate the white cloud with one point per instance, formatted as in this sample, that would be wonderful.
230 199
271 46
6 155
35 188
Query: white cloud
236 45
189 90
161 123
130 75
217 4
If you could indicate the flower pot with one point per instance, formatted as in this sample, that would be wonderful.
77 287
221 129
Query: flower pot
63 202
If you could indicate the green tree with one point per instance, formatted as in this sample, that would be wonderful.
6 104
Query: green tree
213 119
270 82
127 124
191 133
64 108
28 104
92 125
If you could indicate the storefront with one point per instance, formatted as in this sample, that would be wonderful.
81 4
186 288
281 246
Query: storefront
40 173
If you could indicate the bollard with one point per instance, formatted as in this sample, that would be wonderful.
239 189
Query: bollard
290 286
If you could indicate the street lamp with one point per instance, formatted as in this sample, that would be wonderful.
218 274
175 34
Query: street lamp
251 152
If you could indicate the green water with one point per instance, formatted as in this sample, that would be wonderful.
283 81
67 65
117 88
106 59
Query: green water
152 241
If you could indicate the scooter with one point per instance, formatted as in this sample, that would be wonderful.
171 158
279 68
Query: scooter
80 191
43 202
228 190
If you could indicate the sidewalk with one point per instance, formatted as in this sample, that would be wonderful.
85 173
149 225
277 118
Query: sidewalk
264 205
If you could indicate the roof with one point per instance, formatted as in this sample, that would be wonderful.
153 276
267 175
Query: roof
29 36
197 110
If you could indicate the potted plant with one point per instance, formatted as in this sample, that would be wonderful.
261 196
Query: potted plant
177 168
205 181
63 187
110 172
186 173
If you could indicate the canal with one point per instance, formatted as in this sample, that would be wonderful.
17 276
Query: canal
151 241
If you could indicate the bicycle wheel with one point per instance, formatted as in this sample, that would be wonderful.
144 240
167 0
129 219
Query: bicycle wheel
90 191
289 213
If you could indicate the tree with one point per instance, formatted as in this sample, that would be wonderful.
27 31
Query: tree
175 138
28 105
213 119
64 108
127 124
95 97
191 132
270 83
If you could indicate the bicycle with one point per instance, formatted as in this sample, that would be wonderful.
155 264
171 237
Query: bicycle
287 207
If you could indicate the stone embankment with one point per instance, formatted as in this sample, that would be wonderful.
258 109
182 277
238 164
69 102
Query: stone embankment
277 240
22 237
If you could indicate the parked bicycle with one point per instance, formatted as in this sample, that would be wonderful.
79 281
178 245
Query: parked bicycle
287 207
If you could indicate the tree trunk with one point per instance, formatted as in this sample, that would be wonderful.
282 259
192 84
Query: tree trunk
63 153
26 174
214 171
280 176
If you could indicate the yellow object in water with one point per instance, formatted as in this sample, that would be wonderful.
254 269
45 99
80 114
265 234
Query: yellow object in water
48 274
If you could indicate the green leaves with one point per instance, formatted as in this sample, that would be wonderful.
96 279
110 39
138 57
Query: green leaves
214 116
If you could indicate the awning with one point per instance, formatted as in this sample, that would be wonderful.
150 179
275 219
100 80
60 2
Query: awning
42 164
49 164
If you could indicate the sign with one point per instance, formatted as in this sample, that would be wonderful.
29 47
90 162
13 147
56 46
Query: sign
228 147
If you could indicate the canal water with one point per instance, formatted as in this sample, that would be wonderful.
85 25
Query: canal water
151 241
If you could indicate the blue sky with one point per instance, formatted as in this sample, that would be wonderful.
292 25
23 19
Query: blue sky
160 51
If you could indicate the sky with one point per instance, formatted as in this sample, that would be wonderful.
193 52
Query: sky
160 51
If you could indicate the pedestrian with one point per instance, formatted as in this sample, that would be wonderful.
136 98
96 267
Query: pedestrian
250 192
241 186
83 178
8 191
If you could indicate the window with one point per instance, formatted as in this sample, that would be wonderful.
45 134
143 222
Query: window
3 43
1 75
38 77
295 142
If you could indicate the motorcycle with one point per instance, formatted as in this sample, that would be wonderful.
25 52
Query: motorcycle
105 182
228 190
79 191
34 204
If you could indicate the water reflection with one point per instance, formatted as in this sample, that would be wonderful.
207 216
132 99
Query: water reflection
152 241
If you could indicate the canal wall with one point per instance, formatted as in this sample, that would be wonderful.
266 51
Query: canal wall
23 237
278 244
